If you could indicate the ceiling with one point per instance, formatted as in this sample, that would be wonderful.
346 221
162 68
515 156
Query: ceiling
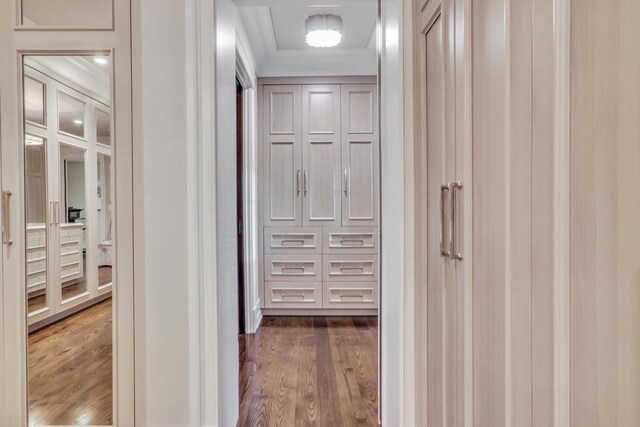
275 32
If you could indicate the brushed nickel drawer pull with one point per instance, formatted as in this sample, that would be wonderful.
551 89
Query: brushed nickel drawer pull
454 207
353 242
291 241
6 218
444 190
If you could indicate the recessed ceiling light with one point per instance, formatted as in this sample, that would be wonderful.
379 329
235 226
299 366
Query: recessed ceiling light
324 30
100 60
77 121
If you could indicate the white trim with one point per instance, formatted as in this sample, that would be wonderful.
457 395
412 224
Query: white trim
562 215
392 148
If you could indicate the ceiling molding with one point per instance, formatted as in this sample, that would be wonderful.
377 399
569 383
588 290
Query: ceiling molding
272 61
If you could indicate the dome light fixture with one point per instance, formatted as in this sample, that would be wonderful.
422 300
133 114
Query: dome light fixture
324 30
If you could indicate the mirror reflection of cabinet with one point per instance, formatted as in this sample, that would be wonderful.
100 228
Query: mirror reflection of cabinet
67 166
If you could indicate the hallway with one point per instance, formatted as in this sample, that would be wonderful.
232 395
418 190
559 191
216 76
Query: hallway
309 371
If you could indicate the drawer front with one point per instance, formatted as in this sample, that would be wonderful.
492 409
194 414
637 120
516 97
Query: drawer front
71 230
362 240
70 247
292 240
70 258
36 266
36 253
36 280
36 238
350 268
351 295
293 295
71 271
285 268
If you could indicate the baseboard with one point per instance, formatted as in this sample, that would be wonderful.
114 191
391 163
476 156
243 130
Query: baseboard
318 312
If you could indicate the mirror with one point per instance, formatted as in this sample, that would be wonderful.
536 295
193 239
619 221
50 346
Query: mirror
73 214
35 162
69 258
104 204
71 112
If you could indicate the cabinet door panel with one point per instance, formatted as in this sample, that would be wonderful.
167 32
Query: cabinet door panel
359 155
321 154
283 156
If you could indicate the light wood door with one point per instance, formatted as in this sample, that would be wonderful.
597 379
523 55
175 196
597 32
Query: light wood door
605 214
321 141
283 155
360 161
437 227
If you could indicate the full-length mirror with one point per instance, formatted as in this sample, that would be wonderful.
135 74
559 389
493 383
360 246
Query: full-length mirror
69 257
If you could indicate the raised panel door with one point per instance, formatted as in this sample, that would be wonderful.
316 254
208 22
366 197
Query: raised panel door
283 156
321 154
359 155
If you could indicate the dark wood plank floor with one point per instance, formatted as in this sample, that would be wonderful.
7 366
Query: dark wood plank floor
310 371
70 370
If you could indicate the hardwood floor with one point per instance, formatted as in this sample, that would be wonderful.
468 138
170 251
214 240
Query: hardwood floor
310 371
70 370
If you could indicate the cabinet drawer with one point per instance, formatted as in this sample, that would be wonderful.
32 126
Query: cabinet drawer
70 247
350 295
351 268
293 295
36 237
36 266
74 230
36 253
70 271
363 240
297 268
36 280
292 240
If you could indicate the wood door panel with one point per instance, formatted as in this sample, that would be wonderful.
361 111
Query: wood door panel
282 155
605 201
321 140
359 155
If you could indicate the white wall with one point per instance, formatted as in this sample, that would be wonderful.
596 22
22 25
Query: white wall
162 316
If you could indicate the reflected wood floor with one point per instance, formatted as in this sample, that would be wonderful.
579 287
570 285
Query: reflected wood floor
310 371
70 370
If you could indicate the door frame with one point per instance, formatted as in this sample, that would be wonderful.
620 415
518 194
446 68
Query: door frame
17 42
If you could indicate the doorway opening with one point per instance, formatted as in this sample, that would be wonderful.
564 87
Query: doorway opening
312 354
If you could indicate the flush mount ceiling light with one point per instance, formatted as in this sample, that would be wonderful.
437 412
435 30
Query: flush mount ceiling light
324 30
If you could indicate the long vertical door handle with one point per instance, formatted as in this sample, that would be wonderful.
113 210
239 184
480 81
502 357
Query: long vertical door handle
345 182
57 212
306 182
52 212
6 217
455 254
444 189
298 182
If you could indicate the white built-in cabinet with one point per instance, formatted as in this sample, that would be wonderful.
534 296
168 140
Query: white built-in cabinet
320 202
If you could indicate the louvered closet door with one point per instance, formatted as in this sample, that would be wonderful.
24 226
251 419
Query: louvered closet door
359 155
283 156
321 141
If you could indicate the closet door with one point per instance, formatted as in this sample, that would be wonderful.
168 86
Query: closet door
605 207
283 156
321 154
437 227
360 162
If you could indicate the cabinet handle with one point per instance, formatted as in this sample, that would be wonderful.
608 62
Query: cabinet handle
306 182
352 242
345 183
298 182
444 189
454 207
57 212
6 218
293 295
52 212
285 241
